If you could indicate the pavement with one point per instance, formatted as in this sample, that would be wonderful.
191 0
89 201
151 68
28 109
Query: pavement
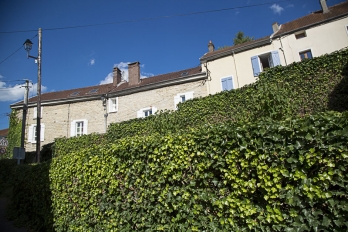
6 225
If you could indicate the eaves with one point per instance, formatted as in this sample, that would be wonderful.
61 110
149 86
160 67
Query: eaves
128 91
256 44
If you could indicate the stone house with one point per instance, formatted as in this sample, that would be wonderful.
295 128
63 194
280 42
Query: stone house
3 141
86 110
318 33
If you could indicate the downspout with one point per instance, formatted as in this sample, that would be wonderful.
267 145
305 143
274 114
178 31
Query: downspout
235 67
281 44
208 75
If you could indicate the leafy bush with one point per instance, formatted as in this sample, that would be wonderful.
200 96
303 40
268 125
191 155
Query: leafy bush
267 176
14 134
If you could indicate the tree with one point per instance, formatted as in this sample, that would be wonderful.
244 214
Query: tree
241 38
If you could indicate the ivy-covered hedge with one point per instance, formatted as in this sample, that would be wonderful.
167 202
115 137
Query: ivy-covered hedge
271 175
14 134
307 87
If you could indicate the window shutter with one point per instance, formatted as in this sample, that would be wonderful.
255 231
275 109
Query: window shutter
116 107
256 65
229 83
224 84
154 110
72 128
42 132
85 126
176 101
109 105
140 113
189 95
30 134
275 58
35 112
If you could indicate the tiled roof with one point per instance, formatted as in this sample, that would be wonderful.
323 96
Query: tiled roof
4 132
246 45
109 88
314 18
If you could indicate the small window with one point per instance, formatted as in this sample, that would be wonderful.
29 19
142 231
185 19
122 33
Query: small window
306 55
75 94
267 60
113 104
146 112
184 74
301 35
93 91
35 112
227 83
78 127
182 97
32 134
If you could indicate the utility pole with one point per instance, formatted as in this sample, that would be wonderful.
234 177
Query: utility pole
38 118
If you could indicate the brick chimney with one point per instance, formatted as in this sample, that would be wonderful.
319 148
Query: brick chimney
211 46
134 73
324 6
275 27
116 76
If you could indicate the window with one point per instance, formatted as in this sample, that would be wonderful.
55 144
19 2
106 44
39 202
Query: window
346 28
263 61
145 112
182 97
306 55
78 127
226 83
32 133
113 106
300 35
35 112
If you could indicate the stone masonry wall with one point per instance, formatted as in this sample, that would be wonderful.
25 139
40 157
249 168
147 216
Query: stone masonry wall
57 118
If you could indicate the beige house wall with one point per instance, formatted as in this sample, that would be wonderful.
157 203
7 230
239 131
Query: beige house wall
57 119
322 39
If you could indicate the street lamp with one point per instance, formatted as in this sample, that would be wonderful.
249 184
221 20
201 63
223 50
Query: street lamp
28 46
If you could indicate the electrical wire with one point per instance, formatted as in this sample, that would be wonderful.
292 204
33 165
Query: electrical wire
146 19
14 52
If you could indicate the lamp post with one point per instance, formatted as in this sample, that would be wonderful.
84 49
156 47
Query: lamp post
104 99
27 46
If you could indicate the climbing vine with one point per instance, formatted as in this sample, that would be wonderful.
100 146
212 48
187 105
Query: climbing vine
14 133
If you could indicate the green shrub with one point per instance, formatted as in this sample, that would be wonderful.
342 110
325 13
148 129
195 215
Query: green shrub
6 174
265 176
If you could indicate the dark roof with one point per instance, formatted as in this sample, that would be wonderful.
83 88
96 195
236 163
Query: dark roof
4 132
315 18
237 48
109 88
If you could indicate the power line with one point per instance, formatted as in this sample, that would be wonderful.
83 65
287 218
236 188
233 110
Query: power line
14 52
146 19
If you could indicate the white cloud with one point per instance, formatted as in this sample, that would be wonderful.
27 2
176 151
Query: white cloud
92 62
290 5
16 92
277 9
123 66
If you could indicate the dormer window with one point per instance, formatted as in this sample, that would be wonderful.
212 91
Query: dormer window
300 35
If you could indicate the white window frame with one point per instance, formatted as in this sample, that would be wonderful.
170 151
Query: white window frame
32 132
178 98
222 88
112 107
73 127
141 112
35 112
304 50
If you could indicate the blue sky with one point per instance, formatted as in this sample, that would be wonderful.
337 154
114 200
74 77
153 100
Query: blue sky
85 56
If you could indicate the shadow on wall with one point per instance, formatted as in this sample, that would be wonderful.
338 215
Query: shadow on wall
338 98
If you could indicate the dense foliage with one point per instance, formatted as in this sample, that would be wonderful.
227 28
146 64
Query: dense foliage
307 87
271 175
14 134
241 38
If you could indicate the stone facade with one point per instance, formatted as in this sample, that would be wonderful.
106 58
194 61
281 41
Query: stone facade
57 118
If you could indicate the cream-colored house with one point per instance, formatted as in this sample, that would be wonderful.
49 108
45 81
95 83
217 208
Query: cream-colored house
86 110
318 33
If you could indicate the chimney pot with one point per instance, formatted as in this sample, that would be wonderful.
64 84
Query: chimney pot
211 46
116 76
324 6
275 27
134 73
